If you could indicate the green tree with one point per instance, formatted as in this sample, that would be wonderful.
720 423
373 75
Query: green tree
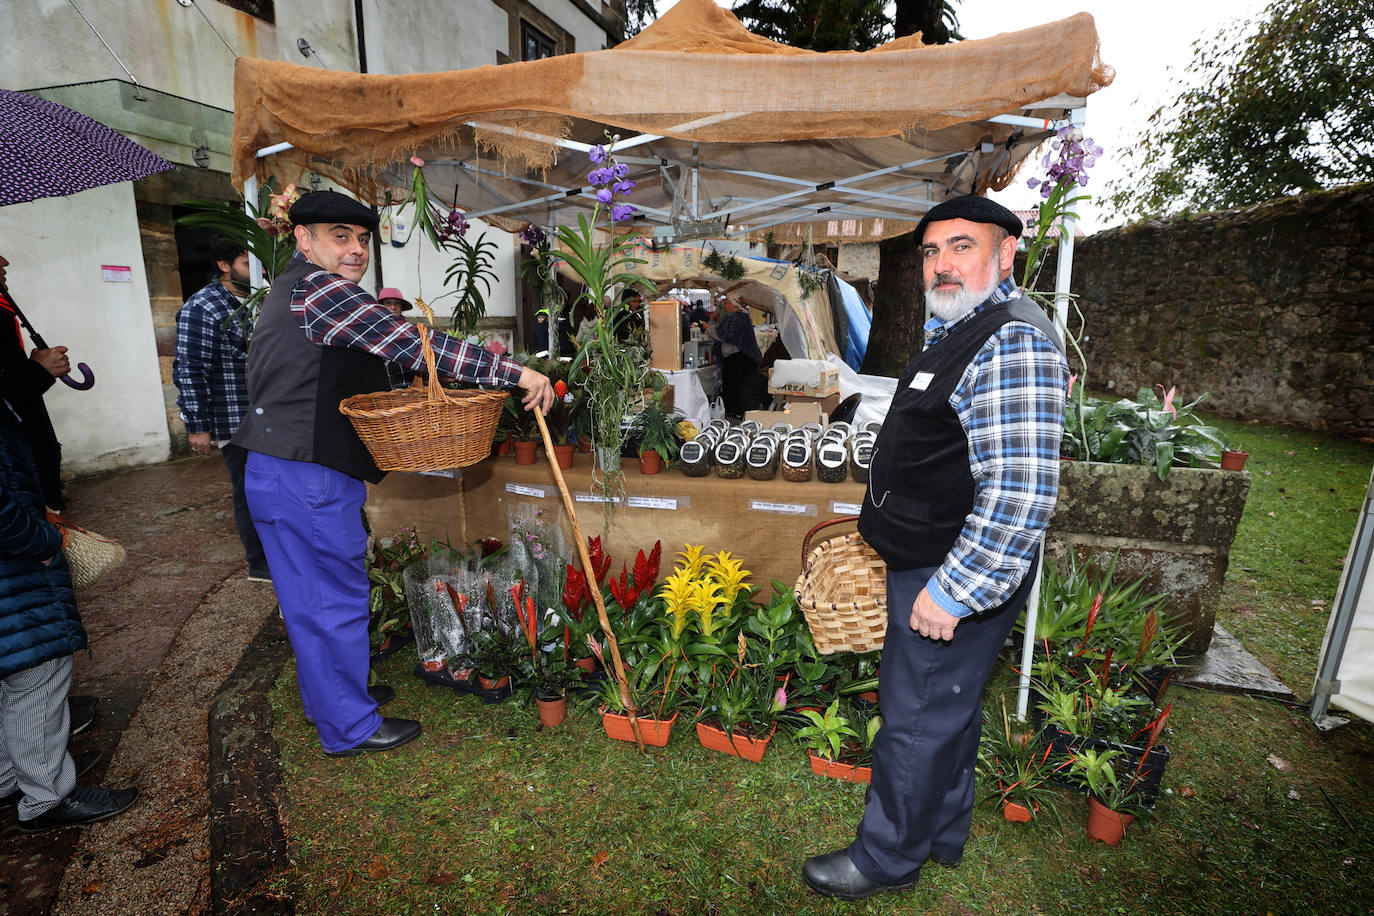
821 25
1282 106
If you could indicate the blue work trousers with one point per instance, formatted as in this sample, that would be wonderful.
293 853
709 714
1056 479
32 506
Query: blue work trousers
309 518
925 755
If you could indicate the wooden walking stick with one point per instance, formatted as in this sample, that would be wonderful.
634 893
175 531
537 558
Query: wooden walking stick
592 585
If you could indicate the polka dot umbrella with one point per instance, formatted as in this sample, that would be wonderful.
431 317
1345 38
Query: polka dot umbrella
48 150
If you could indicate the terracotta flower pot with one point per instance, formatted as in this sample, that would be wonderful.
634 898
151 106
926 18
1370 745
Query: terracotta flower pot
650 462
736 745
551 712
587 664
487 683
655 731
1105 824
525 452
564 454
1017 813
846 772
1233 461
503 447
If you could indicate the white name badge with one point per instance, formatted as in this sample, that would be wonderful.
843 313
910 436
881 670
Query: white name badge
922 381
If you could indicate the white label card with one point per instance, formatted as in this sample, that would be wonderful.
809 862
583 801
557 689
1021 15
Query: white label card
759 505
922 381
651 502
595 498
521 490
845 508
116 273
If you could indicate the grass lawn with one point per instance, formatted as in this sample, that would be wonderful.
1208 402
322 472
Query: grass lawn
489 813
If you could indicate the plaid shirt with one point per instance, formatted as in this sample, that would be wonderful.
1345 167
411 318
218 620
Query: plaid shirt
1010 402
209 368
335 312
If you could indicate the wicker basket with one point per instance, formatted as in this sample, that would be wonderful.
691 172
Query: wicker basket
89 556
425 428
842 591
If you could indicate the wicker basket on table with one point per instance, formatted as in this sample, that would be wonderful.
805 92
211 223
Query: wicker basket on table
842 591
425 427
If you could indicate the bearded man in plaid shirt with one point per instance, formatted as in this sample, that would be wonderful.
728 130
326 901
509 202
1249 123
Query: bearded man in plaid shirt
210 372
964 477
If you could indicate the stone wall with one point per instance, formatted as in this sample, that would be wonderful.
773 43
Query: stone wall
1269 308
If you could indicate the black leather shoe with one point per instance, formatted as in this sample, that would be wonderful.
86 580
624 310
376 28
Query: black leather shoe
85 805
81 712
945 862
84 762
392 733
381 694
835 875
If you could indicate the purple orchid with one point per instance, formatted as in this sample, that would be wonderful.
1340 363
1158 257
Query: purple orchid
597 154
621 212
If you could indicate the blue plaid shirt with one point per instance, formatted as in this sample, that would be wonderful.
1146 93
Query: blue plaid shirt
335 312
1010 402
209 366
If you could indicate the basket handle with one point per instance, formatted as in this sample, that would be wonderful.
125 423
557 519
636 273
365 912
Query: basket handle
434 389
806 541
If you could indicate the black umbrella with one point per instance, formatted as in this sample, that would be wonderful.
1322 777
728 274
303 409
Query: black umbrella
48 150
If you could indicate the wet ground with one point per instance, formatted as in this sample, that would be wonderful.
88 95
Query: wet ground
166 629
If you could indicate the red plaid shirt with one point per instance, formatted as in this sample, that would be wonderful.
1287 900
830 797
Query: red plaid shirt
335 312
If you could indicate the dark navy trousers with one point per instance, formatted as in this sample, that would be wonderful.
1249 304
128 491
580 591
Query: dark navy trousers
925 755
309 518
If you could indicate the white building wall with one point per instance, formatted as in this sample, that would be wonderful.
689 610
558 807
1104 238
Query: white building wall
171 48
56 249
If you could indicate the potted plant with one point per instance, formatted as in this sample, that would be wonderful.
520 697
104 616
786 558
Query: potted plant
835 747
1016 767
1114 799
545 670
656 428
661 706
739 712
496 655
1233 459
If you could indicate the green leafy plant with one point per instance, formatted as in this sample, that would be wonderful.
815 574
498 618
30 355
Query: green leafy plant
387 560
471 274
1149 430
656 428
1015 766
827 733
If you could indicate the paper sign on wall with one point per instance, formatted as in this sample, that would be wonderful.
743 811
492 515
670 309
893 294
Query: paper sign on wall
115 273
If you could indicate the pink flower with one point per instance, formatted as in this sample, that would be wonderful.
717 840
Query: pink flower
1072 380
779 701
417 162
1169 400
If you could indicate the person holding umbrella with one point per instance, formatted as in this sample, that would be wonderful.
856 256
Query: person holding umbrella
28 377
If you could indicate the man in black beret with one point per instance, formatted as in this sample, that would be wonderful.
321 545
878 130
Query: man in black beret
964 477
319 339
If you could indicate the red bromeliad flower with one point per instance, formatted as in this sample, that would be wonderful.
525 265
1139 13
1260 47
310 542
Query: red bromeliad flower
490 546
575 592
1092 616
560 389
654 556
600 562
624 591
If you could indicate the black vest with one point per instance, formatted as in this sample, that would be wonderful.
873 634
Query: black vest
920 486
295 386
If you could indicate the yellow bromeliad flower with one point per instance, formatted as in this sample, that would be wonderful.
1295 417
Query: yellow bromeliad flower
678 596
690 560
730 573
706 600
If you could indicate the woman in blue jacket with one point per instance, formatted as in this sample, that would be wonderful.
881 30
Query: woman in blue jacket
39 630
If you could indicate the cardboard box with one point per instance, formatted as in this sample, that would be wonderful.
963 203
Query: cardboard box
825 405
796 413
809 377
665 334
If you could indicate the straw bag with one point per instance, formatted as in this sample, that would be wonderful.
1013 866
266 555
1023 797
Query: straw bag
424 427
89 556
842 591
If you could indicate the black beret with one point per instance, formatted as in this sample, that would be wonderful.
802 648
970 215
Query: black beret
332 207
975 209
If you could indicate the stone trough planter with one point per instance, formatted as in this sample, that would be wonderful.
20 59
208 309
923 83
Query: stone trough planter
1176 533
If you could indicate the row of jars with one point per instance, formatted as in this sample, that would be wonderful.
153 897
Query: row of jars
832 453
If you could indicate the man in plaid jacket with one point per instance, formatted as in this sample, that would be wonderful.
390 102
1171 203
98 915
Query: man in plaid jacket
210 371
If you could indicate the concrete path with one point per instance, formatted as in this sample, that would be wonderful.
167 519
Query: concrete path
165 631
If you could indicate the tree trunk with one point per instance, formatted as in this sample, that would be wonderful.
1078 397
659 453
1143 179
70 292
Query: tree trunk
898 308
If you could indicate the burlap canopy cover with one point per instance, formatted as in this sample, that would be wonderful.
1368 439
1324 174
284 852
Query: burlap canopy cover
695 76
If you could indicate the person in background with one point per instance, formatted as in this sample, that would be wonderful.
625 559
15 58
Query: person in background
210 373
391 297
321 338
964 478
39 630
738 352
30 375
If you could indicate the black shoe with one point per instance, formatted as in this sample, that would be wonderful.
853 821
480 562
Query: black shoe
85 805
381 694
835 875
84 762
392 733
81 712
946 862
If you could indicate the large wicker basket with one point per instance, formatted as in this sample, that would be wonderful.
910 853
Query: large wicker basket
425 428
842 591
